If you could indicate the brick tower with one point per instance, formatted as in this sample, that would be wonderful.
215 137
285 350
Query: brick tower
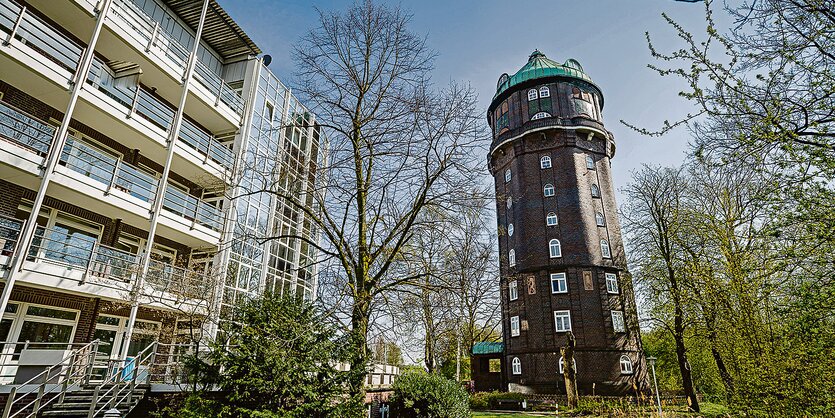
562 258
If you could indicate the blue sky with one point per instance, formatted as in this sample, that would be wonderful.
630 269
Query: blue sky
477 41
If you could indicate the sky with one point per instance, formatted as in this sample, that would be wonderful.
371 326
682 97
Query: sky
477 41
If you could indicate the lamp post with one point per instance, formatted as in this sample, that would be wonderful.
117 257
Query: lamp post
651 361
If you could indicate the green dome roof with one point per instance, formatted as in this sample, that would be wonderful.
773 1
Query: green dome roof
539 66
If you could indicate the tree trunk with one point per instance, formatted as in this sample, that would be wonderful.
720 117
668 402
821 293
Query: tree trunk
683 365
359 342
727 380
570 372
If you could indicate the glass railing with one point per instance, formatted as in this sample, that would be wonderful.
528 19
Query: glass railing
191 284
9 233
23 129
192 208
39 35
89 161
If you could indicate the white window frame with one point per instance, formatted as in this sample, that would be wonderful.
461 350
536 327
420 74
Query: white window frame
508 175
562 364
532 95
560 319
625 365
541 115
513 290
590 162
600 219
605 250
559 278
516 365
618 323
20 316
510 230
548 190
612 283
551 246
511 258
595 190
509 202
544 91
545 162
515 329
551 215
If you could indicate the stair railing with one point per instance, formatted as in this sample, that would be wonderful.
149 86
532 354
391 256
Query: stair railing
121 383
68 374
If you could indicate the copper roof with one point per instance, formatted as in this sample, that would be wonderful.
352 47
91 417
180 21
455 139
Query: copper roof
220 31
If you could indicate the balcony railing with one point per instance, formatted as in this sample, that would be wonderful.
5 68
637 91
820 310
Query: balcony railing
9 234
24 129
130 17
39 35
112 267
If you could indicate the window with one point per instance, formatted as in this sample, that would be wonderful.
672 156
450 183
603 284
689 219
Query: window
545 162
548 190
513 290
509 202
554 248
625 365
595 191
562 321
501 118
514 326
517 365
601 220
511 258
551 219
612 283
541 115
617 321
510 230
559 284
562 365
507 176
583 103
532 95
604 249
589 162
544 92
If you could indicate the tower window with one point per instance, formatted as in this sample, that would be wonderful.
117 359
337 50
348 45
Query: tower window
545 162
551 219
509 202
589 162
604 249
511 258
514 326
601 220
544 92
559 284
548 190
541 115
513 290
562 365
510 230
554 248
507 176
595 190
583 102
625 365
562 321
612 283
617 321
532 95
517 365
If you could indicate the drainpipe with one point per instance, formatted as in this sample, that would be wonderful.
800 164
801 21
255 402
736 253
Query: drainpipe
57 146
159 196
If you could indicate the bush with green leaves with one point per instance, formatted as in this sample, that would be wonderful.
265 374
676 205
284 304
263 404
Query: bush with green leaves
422 395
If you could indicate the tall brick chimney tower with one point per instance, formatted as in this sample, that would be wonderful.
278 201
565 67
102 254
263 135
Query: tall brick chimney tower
562 259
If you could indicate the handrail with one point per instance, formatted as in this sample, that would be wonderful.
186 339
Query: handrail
68 374
121 389
25 129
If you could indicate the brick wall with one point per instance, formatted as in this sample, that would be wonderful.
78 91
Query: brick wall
87 307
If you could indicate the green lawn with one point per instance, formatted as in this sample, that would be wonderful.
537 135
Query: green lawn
503 415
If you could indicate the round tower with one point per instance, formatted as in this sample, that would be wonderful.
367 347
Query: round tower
562 259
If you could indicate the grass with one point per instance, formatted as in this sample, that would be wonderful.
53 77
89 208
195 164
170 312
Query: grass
709 410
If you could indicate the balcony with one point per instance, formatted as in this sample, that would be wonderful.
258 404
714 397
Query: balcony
112 173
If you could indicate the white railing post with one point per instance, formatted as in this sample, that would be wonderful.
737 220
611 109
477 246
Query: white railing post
219 91
9 402
113 177
94 402
16 26
90 261
132 109
153 40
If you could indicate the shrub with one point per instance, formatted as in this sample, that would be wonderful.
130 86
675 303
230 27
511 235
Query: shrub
479 401
421 395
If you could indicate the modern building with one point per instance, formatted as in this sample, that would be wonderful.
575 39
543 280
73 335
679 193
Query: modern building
562 259
154 146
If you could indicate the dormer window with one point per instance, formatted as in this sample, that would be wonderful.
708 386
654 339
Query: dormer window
544 92
532 95
541 115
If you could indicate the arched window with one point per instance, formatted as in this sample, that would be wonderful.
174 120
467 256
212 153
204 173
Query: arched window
554 248
507 176
625 365
511 258
583 102
601 220
545 162
551 219
548 190
562 365
509 202
532 95
510 230
595 191
604 249
589 162
517 365
541 115
544 92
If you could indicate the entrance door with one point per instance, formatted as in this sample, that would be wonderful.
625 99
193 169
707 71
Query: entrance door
110 330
